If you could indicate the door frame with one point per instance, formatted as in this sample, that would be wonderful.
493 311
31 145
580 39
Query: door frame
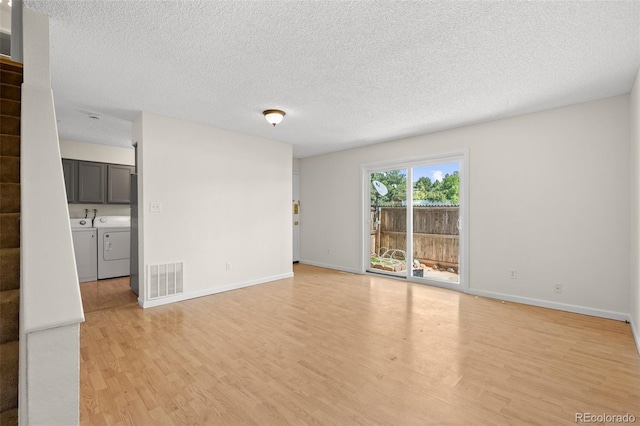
295 251
461 156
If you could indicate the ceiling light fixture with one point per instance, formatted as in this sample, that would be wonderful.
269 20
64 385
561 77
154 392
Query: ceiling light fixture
273 116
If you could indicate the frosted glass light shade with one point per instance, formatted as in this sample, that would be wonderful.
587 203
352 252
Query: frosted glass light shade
274 116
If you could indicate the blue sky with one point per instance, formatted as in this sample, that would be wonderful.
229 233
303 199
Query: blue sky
435 171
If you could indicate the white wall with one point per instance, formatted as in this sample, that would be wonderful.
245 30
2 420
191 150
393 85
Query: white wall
50 302
76 150
85 151
54 376
5 18
635 209
226 198
548 197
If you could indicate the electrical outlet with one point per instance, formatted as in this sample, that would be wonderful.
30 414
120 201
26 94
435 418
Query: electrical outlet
228 266
557 288
513 274
155 206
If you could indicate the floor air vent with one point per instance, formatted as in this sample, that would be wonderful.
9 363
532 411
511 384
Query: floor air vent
164 280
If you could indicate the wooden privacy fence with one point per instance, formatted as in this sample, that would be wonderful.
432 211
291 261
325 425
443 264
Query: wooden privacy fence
435 233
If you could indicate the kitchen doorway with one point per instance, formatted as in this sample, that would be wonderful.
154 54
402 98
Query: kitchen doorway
108 293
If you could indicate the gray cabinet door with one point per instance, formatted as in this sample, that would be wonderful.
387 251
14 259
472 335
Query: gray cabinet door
70 170
119 184
91 182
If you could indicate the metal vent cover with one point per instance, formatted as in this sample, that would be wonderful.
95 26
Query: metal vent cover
164 280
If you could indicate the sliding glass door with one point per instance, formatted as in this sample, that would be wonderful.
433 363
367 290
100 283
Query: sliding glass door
388 222
422 243
436 221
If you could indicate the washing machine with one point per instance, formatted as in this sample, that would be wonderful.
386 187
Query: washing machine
85 249
114 246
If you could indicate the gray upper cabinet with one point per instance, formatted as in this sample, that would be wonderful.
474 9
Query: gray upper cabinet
92 178
70 170
119 184
89 182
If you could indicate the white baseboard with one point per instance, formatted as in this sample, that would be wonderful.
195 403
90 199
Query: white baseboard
328 266
210 291
634 332
620 316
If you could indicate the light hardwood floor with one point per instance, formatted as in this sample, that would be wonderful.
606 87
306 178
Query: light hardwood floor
334 348
106 294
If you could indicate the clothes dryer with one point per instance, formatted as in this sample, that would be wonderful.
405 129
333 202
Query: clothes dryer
114 247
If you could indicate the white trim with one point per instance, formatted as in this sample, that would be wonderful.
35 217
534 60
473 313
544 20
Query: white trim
584 310
58 324
620 316
412 161
634 333
409 221
365 226
464 231
329 266
46 246
296 234
442 284
210 291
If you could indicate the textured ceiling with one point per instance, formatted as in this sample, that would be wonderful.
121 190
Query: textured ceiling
346 73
